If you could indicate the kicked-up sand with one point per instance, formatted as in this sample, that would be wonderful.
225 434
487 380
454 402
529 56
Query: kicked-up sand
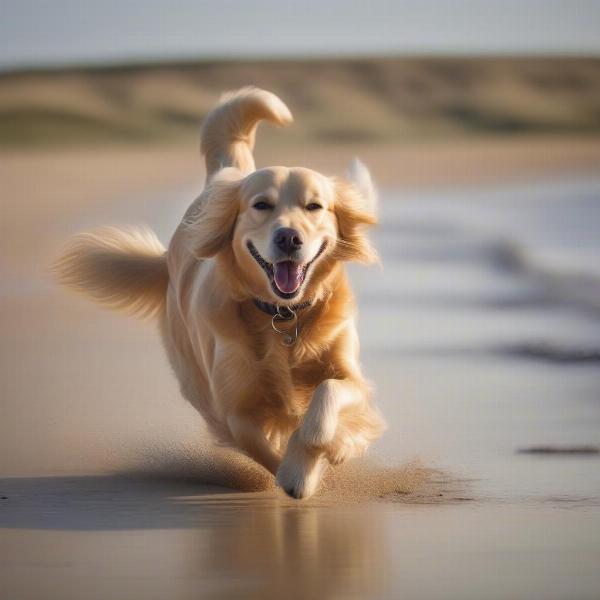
109 487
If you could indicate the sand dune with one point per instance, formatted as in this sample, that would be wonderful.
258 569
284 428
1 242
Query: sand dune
336 101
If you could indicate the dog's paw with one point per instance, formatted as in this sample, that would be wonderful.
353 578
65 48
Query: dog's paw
300 471
347 444
337 455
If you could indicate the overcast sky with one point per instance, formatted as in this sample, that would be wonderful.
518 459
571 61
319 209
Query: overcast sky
49 32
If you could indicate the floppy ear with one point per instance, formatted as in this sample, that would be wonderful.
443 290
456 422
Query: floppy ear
211 220
355 205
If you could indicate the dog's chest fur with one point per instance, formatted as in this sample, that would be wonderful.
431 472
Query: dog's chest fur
286 375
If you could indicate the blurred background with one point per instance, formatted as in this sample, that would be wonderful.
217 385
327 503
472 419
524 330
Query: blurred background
480 122
390 72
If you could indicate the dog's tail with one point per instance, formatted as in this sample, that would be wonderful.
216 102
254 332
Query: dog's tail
228 132
125 269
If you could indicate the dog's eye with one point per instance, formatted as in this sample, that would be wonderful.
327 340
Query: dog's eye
313 206
262 205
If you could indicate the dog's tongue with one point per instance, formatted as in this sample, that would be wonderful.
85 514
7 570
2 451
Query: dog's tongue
288 276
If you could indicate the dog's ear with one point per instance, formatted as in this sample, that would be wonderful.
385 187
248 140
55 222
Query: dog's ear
355 209
211 219
360 177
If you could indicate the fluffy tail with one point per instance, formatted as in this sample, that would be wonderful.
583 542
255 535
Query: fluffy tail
123 269
229 130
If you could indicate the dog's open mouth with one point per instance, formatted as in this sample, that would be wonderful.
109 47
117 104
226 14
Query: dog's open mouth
287 276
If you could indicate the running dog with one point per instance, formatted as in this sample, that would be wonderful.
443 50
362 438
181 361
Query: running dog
252 298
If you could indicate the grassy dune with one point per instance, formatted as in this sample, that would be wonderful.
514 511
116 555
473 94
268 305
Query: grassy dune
335 101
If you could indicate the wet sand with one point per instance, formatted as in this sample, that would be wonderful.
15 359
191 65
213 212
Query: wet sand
109 488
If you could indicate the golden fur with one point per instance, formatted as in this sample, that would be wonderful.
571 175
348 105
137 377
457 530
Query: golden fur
291 408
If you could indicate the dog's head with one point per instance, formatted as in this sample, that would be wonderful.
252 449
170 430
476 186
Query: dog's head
285 228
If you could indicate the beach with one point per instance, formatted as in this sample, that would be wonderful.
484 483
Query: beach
481 334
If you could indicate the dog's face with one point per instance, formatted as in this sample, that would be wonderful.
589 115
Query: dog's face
287 227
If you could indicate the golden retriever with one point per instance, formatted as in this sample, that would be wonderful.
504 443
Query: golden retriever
253 301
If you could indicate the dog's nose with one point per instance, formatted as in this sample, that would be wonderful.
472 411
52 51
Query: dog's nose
288 240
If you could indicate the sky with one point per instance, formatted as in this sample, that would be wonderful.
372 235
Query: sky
58 32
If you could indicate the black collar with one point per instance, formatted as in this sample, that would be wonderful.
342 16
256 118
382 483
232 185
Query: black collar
285 312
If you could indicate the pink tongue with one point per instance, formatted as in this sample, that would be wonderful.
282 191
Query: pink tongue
288 276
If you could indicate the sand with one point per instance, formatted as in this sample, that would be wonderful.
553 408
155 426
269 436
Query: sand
109 488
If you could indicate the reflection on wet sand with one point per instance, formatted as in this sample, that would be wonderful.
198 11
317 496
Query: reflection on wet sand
256 543
275 550
251 545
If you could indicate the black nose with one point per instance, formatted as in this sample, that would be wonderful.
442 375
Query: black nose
288 240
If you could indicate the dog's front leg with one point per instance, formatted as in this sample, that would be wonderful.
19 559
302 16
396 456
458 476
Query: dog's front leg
321 420
234 385
250 437
309 446
341 420
300 470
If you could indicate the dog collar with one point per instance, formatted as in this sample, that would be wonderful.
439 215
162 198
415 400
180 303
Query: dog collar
281 314
285 313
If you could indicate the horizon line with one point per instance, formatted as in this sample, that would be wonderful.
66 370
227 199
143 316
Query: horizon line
189 60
